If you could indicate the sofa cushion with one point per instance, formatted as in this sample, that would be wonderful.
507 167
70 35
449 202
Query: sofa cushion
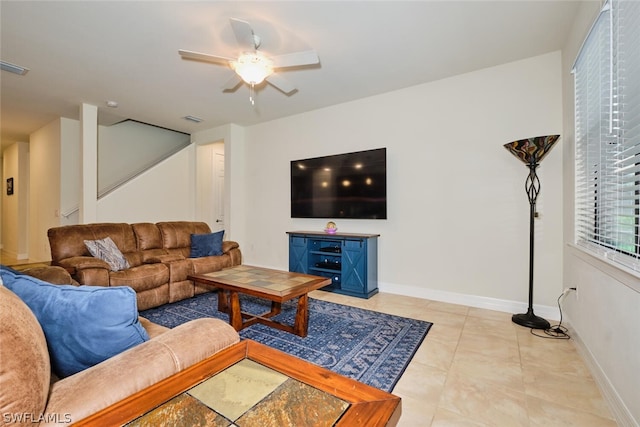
207 244
177 234
24 359
107 251
148 236
141 278
83 325
208 264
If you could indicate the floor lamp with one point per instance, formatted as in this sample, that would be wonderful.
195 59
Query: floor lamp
531 151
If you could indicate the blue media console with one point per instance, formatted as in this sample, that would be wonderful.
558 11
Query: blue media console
349 259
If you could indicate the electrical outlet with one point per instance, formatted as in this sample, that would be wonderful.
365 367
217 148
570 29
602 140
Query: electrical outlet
567 291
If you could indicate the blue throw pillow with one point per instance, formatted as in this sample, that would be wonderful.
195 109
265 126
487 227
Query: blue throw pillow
206 244
83 325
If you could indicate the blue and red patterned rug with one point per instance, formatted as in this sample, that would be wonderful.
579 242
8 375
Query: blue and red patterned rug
371 347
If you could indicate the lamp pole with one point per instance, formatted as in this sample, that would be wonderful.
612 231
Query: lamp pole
532 187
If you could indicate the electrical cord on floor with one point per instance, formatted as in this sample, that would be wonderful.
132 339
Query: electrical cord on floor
558 331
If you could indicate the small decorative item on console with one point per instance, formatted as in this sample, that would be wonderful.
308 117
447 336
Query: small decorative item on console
331 228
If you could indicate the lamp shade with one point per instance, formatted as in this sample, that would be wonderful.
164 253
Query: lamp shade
532 150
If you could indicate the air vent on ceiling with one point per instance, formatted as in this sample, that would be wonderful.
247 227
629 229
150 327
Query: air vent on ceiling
12 68
193 119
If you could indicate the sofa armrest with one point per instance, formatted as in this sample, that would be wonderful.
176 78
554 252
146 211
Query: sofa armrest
227 245
232 249
73 264
198 339
87 270
87 392
51 274
153 329
111 381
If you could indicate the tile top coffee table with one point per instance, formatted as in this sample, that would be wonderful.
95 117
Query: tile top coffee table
273 285
253 385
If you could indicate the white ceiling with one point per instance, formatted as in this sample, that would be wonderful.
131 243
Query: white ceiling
94 51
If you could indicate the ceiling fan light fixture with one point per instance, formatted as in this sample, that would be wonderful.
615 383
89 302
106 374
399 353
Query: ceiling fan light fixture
253 68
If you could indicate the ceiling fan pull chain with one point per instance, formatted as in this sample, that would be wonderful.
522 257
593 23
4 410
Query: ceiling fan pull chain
252 94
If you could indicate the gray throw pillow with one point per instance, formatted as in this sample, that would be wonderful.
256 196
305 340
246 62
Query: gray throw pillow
107 251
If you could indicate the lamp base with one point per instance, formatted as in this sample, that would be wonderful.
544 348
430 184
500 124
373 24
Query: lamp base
530 320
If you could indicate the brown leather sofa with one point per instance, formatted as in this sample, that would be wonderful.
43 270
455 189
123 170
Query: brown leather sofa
30 394
158 256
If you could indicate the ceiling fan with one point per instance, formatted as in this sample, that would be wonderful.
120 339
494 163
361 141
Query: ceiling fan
252 66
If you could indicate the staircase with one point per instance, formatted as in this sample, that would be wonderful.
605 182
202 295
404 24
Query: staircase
128 148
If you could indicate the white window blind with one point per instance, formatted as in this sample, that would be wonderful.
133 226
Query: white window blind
607 107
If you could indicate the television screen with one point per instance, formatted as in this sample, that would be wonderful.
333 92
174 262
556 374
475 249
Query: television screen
351 185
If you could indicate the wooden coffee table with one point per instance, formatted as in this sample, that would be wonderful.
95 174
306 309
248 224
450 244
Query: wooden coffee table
304 394
273 285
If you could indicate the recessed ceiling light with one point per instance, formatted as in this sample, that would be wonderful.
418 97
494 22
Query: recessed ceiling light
112 104
12 68
193 119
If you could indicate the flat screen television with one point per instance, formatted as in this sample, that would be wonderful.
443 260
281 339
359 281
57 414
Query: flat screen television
350 185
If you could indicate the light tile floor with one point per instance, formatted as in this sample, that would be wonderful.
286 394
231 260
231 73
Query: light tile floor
477 368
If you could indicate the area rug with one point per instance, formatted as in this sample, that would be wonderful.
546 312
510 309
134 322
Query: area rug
371 347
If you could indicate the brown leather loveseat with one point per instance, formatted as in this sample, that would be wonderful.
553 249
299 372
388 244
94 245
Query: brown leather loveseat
158 256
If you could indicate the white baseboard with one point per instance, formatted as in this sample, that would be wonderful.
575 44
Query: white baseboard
619 410
548 312
16 255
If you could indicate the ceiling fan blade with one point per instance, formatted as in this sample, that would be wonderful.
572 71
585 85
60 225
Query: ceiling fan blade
232 83
308 57
244 35
280 83
197 56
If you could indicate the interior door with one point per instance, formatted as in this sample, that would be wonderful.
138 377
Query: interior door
210 185
218 190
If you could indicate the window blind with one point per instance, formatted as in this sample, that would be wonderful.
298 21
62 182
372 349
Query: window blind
607 122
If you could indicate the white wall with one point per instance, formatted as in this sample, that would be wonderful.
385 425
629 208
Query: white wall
164 193
235 181
128 147
15 232
168 191
44 198
70 171
458 213
54 182
604 315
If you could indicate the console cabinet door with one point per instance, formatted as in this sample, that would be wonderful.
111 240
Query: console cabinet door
298 254
354 265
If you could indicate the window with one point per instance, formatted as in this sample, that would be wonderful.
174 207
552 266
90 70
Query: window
607 106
